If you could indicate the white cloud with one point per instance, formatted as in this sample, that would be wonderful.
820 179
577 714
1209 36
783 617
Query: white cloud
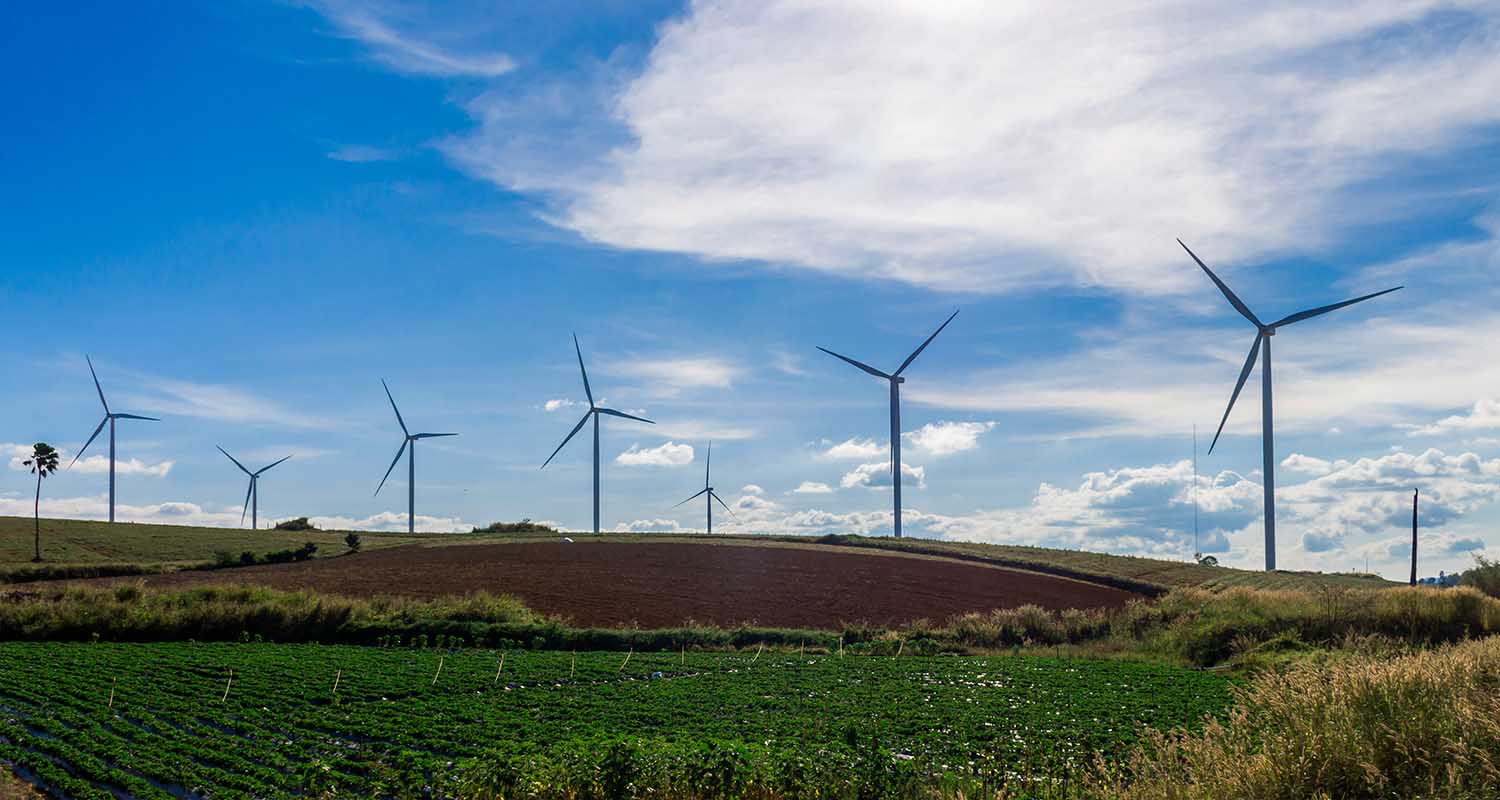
651 526
667 454
559 404
1484 416
394 521
385 29
878 475
673 375
702 430
752 490
1296 462
918 150
857 450
812 487
180 398
939 439
88 465
362 154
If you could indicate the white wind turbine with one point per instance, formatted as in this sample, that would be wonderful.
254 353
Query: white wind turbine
408 446
252 494
109 418
708 490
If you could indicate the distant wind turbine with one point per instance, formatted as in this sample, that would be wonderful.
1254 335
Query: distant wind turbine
594 412
109 417
1262 347
708 490
411 462
252 495
895 380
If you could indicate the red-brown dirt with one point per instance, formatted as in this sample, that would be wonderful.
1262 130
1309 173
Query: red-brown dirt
660 584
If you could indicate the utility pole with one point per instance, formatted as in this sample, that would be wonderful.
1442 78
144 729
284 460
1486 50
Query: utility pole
1415 493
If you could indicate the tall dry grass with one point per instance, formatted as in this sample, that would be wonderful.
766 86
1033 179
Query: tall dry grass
1425 725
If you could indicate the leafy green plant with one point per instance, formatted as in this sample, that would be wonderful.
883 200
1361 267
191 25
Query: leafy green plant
43 462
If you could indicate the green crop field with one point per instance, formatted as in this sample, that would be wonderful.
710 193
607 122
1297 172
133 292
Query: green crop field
264 720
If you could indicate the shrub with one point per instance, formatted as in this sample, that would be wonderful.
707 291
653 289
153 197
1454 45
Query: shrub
524 526
1485 576
298 524
351 541
1421 725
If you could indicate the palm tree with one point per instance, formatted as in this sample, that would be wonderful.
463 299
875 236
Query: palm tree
43 462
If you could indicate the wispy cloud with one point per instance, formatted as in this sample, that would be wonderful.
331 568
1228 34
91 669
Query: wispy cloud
673 375
812 487
390 31
362 154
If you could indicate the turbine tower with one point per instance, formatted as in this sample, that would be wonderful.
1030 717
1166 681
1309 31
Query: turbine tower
411 461
109 417
895 380
252 495
1262 348
594 412
708 490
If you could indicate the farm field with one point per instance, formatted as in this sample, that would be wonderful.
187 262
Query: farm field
87 542
264 720
665 584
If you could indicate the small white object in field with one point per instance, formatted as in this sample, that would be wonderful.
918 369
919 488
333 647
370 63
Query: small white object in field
566 539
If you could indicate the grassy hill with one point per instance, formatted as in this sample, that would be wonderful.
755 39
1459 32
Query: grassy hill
78 542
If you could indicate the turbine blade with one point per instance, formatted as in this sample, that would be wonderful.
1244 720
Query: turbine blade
235 460
404 443
268 466
918 351
399 420
246 509
96 383
90 441
614 413
134 416
1320 310
694 497
866 367
1228 294
1244 375
569 438
586 390
430 435
715 495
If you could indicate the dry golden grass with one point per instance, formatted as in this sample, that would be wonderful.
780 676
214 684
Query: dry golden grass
1425 725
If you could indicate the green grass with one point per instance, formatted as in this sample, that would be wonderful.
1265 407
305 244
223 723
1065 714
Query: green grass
150 719
72 542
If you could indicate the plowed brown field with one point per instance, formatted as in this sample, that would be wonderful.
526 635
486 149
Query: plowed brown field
659 584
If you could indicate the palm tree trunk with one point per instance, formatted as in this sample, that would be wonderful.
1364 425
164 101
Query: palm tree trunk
36 517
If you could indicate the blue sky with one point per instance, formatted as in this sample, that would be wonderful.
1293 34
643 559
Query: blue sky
248 213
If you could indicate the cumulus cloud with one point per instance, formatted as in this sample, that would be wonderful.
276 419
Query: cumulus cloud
667 454
1484 416
559 404
917 150
1296 462
812 487
939 439
650 526
856 450
877 475
394 521
752 490
89 465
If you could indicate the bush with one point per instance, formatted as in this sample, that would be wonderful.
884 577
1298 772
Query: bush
1422 725
1485 576
298 524
302 553
351 541
524 526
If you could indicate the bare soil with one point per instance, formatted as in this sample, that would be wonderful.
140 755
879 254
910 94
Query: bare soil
661 584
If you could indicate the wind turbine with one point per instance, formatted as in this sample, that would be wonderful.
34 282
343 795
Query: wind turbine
709 491
1262 347
594 412
252 495
411 462
895 380
109 417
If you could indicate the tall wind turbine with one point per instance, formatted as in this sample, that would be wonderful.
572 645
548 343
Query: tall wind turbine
594 412
895 380
1262 347
411 462
708 490
252 495
109 417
